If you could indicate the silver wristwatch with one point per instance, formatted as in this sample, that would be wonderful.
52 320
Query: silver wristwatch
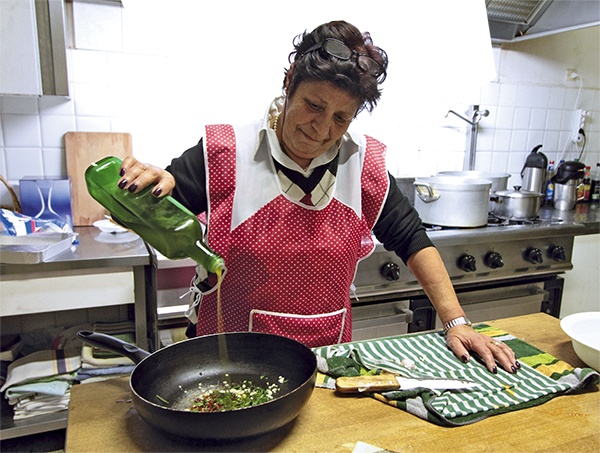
456 322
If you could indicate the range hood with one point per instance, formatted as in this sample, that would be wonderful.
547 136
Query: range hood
517 20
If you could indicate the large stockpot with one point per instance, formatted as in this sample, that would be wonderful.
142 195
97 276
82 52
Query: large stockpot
516 204
499 180
163 384
453 201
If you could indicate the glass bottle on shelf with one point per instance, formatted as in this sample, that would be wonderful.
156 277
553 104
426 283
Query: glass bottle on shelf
595 185
550 184
586 185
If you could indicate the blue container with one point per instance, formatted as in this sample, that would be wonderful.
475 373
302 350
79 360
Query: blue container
47 198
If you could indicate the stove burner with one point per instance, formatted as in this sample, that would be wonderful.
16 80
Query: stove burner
496 221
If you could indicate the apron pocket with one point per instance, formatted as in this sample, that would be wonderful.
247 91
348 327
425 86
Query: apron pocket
310 330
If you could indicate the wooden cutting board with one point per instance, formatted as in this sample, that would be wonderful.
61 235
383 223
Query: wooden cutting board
82 149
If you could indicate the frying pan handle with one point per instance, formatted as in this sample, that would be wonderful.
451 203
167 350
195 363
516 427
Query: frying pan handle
113 344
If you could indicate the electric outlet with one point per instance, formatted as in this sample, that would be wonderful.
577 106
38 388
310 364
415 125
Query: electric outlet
572 74
579 119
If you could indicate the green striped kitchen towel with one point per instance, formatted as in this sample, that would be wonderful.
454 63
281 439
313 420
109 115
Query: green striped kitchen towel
541 377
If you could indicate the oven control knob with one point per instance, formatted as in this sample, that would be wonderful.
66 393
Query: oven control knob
493 260
390 271
557 253
467 263
534 256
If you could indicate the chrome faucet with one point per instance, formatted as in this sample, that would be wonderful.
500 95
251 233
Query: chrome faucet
476 116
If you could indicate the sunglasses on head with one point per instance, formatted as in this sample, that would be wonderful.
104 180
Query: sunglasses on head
338 49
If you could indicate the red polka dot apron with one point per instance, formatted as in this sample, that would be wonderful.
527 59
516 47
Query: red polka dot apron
289 266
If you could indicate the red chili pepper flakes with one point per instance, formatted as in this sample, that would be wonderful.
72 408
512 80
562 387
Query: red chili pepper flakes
231 397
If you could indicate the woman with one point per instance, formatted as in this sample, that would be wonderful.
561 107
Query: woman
291 202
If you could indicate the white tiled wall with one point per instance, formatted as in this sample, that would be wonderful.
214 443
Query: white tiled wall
524 116
123 78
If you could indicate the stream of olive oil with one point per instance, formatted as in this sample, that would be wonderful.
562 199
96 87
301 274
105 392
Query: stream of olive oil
223 353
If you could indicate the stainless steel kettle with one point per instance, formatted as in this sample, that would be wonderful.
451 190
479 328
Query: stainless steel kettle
533 173
566 181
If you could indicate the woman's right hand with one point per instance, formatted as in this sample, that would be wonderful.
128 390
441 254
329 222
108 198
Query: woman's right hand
136 175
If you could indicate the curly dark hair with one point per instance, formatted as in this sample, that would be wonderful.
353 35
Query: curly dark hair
318 65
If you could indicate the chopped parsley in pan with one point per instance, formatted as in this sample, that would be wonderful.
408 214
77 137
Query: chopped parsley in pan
231 396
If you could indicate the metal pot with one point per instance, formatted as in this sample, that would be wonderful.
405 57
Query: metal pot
516 204
453 201
499 180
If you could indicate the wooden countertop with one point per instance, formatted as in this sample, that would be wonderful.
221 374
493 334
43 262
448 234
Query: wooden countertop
101 418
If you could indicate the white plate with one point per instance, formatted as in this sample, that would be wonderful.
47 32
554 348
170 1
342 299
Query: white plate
583 328
107 226
120 238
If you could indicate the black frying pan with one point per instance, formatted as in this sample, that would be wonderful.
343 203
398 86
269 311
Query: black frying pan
174 372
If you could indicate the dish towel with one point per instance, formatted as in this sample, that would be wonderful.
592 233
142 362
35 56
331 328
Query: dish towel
38 398
40 383
541 377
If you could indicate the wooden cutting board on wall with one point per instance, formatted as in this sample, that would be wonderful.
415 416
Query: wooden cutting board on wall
82 149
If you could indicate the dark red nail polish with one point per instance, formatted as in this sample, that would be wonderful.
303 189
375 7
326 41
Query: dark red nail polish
122 184
157 192
495 370
513 369
122 172
464 358
517 364
132 187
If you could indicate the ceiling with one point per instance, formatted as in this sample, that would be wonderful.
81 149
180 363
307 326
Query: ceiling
516 20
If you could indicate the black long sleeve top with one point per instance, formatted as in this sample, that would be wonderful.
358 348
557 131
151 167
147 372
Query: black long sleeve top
398 228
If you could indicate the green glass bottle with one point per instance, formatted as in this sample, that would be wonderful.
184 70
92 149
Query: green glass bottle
164 223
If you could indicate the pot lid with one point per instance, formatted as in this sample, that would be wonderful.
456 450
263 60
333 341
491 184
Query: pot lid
456 183
517 193
474 174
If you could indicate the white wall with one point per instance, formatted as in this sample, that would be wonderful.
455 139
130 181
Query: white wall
582 284
161 70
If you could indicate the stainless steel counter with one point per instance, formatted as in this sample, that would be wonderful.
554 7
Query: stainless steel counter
584 219
586 214
97 250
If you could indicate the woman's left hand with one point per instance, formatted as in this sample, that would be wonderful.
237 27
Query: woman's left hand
462 339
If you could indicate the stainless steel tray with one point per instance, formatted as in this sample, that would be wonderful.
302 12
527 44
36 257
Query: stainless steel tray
33 248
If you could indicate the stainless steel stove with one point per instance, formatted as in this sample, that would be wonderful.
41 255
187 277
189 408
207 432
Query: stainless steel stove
503 269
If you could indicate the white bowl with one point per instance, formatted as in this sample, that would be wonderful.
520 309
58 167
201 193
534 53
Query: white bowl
584 330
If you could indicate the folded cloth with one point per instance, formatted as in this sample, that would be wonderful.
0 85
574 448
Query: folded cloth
50 388
88 360
124 330
540 378
42 364
41 405
84 374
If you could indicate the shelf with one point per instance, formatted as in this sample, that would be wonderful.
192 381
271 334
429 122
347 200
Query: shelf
128 267
10 428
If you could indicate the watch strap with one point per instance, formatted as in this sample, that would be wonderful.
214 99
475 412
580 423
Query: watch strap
456 322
